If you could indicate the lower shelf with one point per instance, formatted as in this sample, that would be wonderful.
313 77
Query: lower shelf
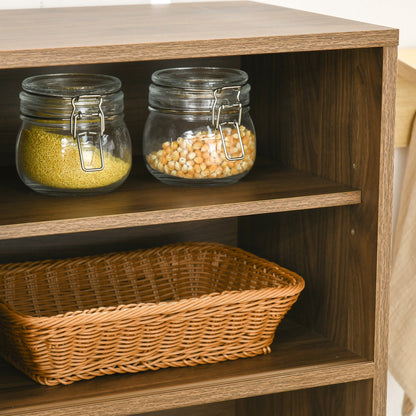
300 359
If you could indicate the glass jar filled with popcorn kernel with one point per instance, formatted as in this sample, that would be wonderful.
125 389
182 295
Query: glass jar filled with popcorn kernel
73 139
199 130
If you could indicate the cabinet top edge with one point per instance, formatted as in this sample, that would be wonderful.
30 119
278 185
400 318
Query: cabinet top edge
134 27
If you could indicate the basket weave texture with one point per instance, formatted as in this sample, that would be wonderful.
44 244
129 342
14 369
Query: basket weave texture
177 305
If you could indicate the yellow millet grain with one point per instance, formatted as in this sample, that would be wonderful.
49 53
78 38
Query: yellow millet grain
53 160
202 156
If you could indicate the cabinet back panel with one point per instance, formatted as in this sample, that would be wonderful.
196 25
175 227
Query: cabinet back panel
99 242
135 77
338 299
319 111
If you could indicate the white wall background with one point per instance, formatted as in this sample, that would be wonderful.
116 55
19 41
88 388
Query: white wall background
399 14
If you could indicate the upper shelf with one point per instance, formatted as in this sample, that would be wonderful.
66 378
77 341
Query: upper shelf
144 201
64 36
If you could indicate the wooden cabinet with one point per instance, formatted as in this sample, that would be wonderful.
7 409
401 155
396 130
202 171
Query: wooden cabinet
318 201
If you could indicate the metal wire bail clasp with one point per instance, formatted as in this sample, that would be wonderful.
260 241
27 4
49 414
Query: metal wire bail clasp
79 115
219 126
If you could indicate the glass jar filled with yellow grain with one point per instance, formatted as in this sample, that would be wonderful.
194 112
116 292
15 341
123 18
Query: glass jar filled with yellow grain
73 139
199 130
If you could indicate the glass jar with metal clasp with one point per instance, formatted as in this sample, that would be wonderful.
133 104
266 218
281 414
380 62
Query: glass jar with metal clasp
199 130
73 139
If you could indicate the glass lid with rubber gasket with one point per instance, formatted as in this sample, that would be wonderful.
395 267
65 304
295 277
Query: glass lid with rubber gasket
71 85
199 77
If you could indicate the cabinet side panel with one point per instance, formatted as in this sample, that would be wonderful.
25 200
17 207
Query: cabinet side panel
384 229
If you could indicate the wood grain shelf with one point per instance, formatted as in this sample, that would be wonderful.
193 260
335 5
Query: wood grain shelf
300 359
145 201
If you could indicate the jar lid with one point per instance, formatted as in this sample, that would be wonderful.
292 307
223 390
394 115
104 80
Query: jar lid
200 78
51 96
198 89
71 85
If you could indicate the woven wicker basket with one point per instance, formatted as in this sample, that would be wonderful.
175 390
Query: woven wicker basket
178 305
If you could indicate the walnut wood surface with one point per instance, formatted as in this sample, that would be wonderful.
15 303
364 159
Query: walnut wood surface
340 400
148 32
299 359
145 201
384 230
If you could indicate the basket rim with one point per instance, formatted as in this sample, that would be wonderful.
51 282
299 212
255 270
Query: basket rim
133 310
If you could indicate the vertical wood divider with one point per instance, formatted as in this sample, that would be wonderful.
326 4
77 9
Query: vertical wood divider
384 230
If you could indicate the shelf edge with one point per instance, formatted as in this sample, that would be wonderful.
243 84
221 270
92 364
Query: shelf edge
195 48
196 394
182 214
